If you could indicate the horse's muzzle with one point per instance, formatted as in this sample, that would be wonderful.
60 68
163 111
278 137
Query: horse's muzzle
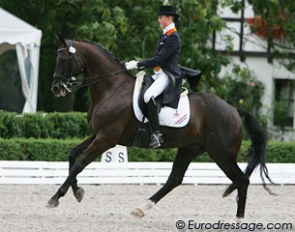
55 89
58 89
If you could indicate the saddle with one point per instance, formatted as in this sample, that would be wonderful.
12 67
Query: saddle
175 117
191 75
167 116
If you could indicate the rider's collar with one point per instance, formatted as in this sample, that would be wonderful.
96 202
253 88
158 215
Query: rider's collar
169 27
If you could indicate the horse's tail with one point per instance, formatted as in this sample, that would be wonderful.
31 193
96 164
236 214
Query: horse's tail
256 154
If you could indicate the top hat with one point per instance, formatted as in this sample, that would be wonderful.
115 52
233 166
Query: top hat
168 10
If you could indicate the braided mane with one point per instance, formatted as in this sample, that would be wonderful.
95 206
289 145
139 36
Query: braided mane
103 50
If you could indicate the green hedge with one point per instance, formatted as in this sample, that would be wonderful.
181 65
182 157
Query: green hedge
58 150
277 152
51 136
36 149
40 125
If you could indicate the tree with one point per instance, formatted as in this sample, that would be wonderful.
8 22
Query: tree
274 22
129 30
242 90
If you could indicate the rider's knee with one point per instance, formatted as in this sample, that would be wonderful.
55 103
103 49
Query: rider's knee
147 97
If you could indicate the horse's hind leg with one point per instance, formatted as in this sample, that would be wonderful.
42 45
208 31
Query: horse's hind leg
183 159
242 185
240 181
75 152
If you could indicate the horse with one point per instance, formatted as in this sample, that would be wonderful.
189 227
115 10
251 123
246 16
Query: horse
214 127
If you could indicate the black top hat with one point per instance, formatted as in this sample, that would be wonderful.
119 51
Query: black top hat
168 10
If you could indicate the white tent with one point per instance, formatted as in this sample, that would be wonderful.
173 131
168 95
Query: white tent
25 39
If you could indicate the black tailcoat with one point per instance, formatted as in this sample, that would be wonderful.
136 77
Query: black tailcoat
167 56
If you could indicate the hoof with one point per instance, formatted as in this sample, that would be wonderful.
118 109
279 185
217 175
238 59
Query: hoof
141 211
225 194
239 219
52 203
79 194
229 190
137 213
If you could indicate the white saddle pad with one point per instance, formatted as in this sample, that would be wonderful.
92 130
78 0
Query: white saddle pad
168 116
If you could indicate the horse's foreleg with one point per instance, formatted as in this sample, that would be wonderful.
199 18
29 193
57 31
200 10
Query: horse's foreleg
183 158
54 200
75 152
95 149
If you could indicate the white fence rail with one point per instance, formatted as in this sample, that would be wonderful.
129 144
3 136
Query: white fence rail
35 172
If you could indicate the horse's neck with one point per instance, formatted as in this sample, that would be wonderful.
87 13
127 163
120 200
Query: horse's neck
98 64
106 78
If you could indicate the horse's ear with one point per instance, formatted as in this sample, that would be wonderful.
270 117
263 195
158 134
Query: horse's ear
61 39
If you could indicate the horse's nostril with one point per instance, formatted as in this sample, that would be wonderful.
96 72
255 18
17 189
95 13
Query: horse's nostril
54 89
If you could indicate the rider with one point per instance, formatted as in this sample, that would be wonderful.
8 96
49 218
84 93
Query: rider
166 70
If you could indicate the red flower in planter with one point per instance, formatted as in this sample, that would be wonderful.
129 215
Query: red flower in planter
259 26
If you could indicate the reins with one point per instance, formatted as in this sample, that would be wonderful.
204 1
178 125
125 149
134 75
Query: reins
94 80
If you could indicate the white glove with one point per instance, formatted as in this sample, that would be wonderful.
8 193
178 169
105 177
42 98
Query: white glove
131 65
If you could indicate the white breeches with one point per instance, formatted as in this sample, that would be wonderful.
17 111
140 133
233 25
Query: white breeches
158 86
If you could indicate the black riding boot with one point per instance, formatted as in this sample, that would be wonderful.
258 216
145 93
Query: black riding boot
156 137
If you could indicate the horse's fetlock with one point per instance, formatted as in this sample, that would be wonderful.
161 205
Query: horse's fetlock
61 192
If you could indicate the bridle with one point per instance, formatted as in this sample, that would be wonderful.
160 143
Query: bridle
71 82
68 63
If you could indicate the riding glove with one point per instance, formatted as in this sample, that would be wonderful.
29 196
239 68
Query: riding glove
131 65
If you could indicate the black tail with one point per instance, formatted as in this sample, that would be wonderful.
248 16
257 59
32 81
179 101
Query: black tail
257 152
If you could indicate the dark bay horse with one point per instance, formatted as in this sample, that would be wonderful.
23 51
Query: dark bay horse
214 127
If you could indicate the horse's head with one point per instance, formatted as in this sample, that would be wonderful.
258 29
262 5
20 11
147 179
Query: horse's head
68 65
